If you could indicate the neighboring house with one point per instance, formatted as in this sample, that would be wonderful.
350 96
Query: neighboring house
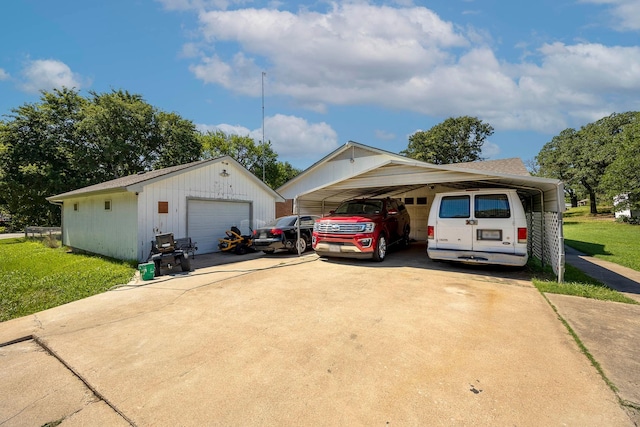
358 171
624 211
200 200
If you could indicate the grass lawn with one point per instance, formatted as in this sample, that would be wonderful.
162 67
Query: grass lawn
599 236
34 277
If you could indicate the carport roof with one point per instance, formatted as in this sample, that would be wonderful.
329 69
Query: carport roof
396 177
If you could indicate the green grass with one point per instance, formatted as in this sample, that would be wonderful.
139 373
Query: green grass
34 277
577 283
600 236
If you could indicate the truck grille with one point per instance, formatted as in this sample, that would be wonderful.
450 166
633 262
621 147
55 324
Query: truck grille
340 228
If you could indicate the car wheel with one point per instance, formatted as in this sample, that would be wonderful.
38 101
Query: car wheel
185 263
406 240
381 249
301 245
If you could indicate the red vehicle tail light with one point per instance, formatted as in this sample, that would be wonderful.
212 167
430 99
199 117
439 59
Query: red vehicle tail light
522 235
276 232
430 232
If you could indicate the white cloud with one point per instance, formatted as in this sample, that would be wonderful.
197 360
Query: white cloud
490 150
47 74
409 59
4 75
626 13
291 137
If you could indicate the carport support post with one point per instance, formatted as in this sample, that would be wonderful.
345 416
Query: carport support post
298 226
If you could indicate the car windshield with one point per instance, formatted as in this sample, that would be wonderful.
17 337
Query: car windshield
360 207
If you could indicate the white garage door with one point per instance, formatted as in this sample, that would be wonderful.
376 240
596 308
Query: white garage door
207 220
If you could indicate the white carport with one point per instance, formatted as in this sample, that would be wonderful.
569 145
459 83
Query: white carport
543 197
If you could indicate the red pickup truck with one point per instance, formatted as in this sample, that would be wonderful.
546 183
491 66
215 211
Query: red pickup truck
362 228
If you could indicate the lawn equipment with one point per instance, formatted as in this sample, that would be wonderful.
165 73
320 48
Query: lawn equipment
165 253
235 242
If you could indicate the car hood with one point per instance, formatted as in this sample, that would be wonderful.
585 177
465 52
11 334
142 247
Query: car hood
352 218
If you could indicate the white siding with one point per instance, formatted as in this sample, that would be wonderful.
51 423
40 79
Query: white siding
94 229
335 169
203 183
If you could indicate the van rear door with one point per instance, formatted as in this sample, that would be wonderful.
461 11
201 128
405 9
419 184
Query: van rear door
453 223
493 223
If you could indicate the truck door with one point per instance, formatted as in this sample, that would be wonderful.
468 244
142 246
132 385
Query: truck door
493 228
454 223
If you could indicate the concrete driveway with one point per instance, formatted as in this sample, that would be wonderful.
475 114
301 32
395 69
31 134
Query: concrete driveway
303 341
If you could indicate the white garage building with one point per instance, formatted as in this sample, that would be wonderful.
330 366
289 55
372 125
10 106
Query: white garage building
356 170
200 200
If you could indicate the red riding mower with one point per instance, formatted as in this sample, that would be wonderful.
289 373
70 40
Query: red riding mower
235 242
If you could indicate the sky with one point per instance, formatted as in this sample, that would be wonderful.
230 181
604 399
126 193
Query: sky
330 72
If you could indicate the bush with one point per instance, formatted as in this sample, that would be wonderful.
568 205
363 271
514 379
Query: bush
633 220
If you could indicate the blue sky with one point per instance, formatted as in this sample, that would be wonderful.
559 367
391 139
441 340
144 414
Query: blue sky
371 72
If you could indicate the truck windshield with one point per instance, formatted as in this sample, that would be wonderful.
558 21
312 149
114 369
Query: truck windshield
360 207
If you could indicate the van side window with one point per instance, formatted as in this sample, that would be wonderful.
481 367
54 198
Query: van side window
492 206
455 207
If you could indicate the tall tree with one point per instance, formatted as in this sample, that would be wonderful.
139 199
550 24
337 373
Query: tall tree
456 140
252 156
66 142
623 175
556 160
39 156
180 143
581 158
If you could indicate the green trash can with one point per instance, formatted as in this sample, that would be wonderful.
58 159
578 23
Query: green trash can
147 270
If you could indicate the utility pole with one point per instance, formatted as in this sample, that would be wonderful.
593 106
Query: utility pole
263 142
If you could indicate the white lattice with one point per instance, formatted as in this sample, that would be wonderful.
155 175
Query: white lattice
545 239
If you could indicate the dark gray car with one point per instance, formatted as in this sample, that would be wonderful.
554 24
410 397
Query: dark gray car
282 233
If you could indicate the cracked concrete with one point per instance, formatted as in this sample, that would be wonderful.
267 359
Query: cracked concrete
291 341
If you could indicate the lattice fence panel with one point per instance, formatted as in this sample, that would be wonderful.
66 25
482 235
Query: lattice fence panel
544 238
536 234
553 225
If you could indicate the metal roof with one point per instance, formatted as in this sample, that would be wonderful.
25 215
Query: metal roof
396 177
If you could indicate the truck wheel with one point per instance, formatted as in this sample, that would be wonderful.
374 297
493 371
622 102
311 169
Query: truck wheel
185 262
406 240
381 249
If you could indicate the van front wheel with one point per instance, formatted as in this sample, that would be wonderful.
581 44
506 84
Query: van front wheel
381 249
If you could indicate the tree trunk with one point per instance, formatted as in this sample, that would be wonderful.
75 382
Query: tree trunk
592 202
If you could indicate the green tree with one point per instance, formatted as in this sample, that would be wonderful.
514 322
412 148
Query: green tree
250 155
66 141
581 158
556 160
623 175
456 140
39 156
180 143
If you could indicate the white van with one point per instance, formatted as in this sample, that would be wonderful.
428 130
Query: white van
483 226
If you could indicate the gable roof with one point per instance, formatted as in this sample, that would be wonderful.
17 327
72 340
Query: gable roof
350 145
512 166
135 182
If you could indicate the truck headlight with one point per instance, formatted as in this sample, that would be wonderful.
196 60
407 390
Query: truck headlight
369 227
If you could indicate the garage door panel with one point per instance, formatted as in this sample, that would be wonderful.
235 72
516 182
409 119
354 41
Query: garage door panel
207 221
